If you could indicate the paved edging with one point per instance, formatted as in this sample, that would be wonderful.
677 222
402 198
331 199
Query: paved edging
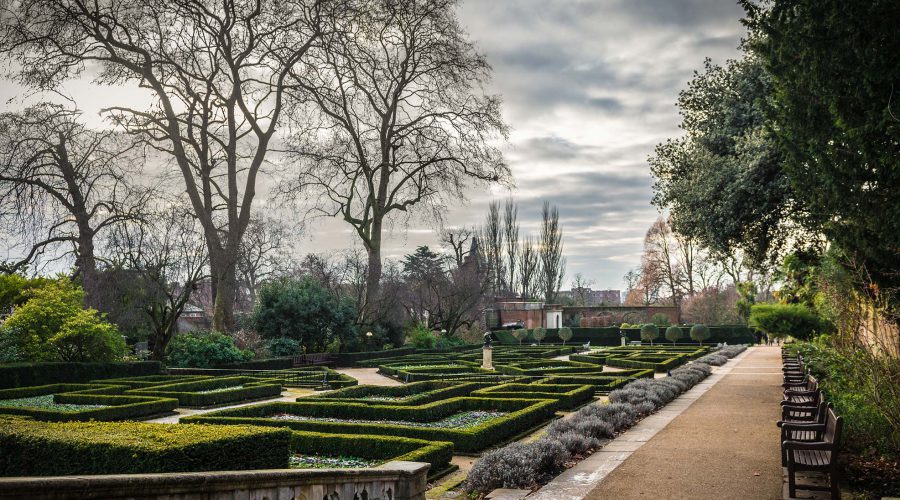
576 483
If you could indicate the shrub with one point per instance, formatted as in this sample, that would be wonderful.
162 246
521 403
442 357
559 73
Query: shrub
539 334
565 334
660 319
86 337
673 333
713 359
31 374
204 350
51 325
214 391
575 443
700 333
594 427
437 453
518 465
783 320
29 448
305 311
649 332
421 337
520 334
283 346
115 406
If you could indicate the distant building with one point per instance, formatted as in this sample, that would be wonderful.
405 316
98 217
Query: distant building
592 297
192 318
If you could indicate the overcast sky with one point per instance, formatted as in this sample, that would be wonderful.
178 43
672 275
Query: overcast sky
589 88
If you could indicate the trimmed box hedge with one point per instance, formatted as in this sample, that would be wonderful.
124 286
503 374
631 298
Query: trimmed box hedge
548 367
568 395
30 448
522 415
32 374
386 448
415 393
116 405
151 380
351 358
190 394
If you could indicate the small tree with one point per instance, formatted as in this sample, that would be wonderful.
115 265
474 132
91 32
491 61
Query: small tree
781 320
673 333
565 334
660 319
700 333
649 332
521 334
539 334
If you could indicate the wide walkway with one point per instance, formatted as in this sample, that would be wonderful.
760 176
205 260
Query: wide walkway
724 445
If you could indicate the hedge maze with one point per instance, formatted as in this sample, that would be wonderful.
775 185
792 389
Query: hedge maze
447 404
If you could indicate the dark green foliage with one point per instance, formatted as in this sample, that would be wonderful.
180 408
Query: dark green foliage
31 374
522 415
29 448
649 332
204 350
305 311
783 320
660 319
834 69
723 180
673 333
351 358
700 333
283 346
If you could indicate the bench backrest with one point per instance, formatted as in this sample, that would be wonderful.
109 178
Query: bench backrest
833 425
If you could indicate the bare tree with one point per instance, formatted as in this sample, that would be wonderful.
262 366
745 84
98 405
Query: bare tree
553 264
169 253
492 246
260 256
511 236
62 185
661 252
216 73
458 241
404 123
529 268
580 288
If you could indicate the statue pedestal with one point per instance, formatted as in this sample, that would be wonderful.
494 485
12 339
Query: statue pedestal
487 358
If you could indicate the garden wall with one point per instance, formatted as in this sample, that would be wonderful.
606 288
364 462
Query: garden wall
393 480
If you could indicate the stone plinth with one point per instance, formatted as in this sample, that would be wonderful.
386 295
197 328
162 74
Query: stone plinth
487 358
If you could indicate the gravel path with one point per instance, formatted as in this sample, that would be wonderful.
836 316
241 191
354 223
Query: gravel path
369 376
725 445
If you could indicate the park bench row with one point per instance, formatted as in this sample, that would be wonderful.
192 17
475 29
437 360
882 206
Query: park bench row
810 430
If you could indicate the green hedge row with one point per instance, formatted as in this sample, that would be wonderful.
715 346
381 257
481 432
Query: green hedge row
283 363
115 405
595 359
387 448
30 448
351 358
191 394
31 374
612 335
522 415
151 380
540 368
652 363
567 395
415 393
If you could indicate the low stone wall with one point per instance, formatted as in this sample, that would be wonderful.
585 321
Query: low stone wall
391 481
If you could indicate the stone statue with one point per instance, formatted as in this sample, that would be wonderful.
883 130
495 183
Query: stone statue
487 340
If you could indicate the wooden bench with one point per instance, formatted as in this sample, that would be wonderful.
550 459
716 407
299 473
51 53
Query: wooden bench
818 455
802 423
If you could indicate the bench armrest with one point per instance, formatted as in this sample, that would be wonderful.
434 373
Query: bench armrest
790 392
811 445
800 426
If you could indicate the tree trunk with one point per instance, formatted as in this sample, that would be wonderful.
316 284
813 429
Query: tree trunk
373 279
223 306
86 263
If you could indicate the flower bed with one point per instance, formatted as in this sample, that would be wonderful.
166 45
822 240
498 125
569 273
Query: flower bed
415 393
461 420
81 402
375 448
520 415
213 391
567 395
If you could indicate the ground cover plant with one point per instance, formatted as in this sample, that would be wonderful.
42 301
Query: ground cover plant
31 448
518 415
